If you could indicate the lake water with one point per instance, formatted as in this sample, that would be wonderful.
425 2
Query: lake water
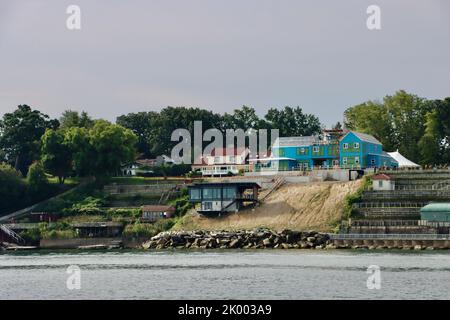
239 274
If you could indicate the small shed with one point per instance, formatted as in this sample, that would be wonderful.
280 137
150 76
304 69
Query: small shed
98 229
437 212
382 182
44 216
152 213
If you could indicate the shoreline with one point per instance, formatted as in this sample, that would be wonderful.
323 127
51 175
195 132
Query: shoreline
261 238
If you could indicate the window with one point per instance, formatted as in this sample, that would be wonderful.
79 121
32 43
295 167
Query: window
232 159
195 194
372 162
380 183
300 151
345 146
315 148
357 160
211 193
207 205
356 145
229 193
344 160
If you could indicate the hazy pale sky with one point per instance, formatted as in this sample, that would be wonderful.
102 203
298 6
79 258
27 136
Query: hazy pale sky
134 56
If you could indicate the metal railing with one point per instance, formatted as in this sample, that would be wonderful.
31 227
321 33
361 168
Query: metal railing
369 236
415 187
389 204
11 234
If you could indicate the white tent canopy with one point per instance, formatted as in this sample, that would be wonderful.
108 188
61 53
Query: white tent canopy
402 161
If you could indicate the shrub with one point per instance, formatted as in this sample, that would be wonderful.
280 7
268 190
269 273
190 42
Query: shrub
12 187
139 230
355 197
182 204
59 234
149 230
88 206
36 178
31 235
124 212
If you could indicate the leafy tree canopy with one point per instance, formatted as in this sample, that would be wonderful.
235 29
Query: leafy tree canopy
20 134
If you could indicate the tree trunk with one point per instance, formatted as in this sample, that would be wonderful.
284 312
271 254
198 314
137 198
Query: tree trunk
17 163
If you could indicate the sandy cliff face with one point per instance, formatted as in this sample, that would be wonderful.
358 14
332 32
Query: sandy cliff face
293 206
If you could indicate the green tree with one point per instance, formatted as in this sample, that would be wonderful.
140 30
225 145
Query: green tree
398 121
144 125
12 187
172 118
82 152
293 122
72 118
244 118
20 134
443 116
112 145
429 144
36 179
56 154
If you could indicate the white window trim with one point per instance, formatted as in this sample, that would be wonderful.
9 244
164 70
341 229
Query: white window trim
356 145
345 146
316 148
356 160
344 160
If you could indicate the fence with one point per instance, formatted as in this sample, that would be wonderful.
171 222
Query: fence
389 205
367 236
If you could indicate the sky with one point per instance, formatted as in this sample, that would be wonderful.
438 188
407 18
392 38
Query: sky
132 56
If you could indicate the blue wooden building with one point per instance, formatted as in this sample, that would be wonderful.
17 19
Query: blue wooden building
363 150
331 150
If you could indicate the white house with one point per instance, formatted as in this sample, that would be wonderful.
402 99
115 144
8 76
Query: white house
223 161
382 182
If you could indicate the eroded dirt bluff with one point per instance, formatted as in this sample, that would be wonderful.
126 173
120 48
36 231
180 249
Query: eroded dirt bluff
313 206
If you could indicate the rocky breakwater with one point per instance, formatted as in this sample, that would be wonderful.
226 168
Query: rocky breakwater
244 239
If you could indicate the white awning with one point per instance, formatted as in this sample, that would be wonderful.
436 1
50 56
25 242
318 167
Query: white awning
402 161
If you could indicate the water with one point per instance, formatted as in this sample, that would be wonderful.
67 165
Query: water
240 274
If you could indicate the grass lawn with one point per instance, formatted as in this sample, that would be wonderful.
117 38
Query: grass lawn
145 180
67 181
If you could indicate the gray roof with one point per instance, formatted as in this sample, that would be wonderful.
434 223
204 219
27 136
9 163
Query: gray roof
366 137
296 141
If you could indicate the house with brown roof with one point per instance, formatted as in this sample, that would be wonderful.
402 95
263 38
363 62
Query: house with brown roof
382 182
152 213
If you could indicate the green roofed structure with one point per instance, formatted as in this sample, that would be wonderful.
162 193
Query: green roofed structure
437 212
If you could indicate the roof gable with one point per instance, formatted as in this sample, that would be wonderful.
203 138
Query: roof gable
362 137
381 176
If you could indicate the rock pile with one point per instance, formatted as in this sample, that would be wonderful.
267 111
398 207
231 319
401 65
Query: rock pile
255 239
